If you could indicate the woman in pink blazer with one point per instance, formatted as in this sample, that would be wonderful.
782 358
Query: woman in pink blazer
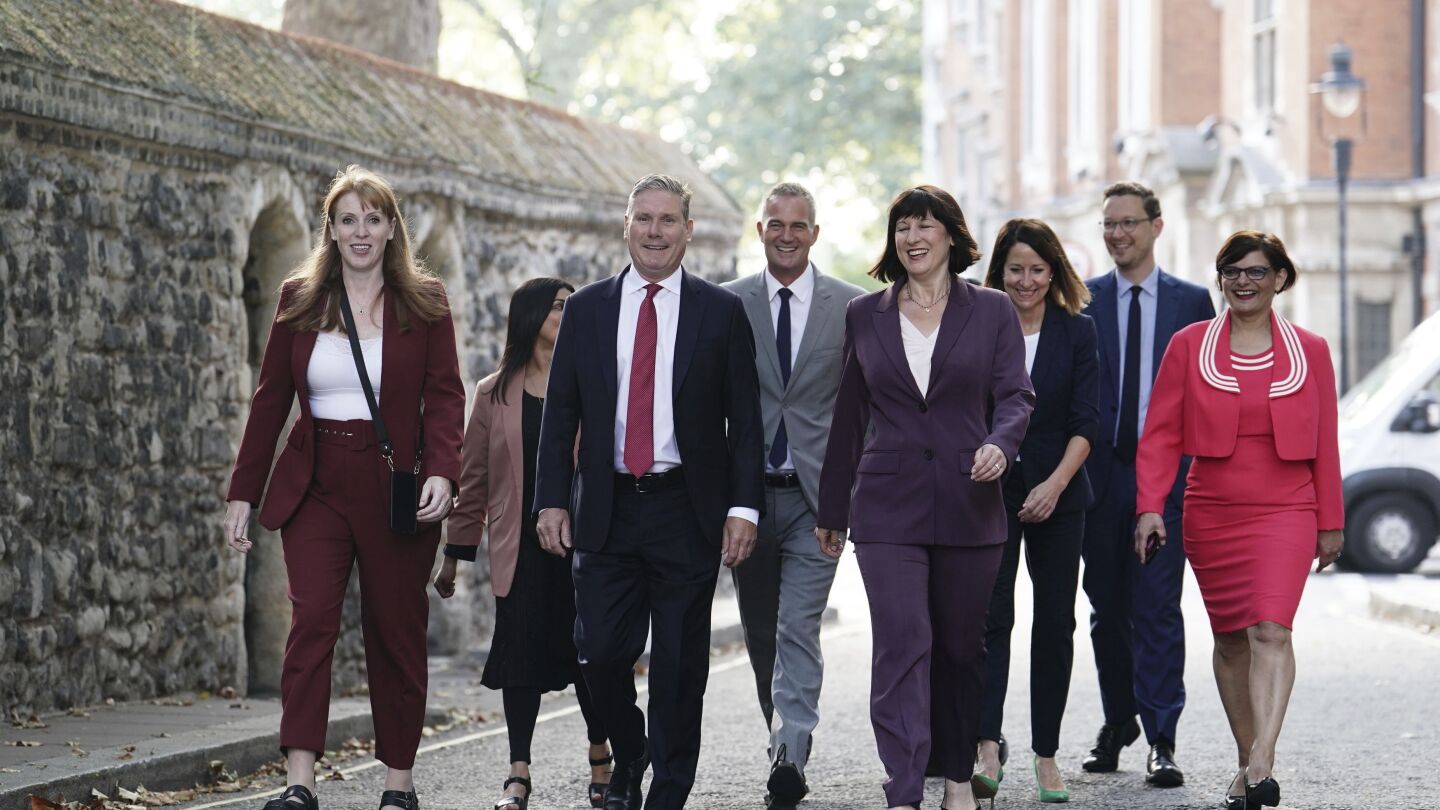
1252 398
533 650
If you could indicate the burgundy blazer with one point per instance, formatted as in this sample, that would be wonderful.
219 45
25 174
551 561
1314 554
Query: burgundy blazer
491 484
1195 410
907 479
418 366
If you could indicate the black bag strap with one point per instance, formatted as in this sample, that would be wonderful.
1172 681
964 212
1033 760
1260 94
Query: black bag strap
386 448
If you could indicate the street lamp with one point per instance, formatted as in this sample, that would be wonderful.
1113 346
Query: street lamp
1342 94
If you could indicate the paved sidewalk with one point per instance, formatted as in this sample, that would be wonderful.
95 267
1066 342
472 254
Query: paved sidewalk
1409 599
184 741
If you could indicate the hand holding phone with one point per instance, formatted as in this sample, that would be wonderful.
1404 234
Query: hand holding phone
1149 536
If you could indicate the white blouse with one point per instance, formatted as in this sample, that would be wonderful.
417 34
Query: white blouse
919 349
335 391
1032 343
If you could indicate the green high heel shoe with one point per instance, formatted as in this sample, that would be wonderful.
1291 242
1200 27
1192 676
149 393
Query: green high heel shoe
983 786
1048 796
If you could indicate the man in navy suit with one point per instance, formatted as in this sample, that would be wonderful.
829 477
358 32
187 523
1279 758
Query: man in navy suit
654 368
1135 621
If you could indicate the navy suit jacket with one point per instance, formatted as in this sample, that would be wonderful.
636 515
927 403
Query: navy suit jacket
1179 304
897 466
1065 377
715 398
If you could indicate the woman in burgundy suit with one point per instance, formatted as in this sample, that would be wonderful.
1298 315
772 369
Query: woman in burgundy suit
329 494
932 405
533 649
1252 398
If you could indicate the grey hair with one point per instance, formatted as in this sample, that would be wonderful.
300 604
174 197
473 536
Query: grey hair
661 182
787 190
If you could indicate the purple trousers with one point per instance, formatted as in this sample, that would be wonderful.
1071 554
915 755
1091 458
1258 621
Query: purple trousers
927 616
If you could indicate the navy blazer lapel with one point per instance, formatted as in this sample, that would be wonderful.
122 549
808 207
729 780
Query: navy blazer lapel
687 331
821 306
607 327
757 305
1047 353
952 323
887 329
1107 327
1167 312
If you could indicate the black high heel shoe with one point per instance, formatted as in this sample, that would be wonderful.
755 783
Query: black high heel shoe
515 802
1265 793
597 789
1233 802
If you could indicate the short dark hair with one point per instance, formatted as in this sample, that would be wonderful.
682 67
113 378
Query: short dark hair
1067 291
1242 243
1130 188
915 203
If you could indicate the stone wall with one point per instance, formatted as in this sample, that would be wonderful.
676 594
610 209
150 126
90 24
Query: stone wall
142 238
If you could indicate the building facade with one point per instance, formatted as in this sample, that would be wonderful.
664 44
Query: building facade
1032 107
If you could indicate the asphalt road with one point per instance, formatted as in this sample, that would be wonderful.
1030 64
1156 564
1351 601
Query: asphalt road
1362 730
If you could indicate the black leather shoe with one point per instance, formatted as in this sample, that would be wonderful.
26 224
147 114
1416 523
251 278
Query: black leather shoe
403 799
1160 767
786 783
1105 756
1265 793
624 791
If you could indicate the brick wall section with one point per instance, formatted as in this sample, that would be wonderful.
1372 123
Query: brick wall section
130 185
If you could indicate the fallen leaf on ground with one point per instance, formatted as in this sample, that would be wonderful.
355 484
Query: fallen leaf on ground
25 743
229 693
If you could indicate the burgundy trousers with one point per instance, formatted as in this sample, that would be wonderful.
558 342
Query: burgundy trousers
927 617
343 520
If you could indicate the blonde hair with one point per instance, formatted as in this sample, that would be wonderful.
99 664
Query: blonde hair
313 303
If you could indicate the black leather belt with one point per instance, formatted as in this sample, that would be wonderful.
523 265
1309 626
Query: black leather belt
651 482
782 480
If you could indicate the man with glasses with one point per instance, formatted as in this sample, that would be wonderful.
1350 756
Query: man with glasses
1135 622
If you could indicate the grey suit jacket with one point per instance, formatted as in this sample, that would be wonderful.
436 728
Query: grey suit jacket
808 401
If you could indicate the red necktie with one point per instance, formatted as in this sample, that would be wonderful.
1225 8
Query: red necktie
640 412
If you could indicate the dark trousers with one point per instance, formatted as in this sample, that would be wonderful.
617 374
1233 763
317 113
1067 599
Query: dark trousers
342 521
1135 622
1052 556
927 619
656 573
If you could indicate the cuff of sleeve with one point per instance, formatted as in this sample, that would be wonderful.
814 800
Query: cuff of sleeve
752 515
466 553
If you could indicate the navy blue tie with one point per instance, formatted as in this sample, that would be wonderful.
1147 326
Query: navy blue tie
780 448
1128 437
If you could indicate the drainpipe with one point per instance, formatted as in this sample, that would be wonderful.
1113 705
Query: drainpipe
1417 158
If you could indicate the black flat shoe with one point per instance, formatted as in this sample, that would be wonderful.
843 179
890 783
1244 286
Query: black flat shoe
1105 756
786 783
295 797
625 790
597 789
404 799
515 802
1265 793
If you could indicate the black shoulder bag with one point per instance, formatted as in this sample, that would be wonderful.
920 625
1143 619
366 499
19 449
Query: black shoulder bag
404 486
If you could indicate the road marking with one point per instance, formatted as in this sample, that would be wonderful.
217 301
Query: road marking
740 659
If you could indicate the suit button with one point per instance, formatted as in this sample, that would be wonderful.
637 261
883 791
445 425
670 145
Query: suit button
929 454
924 407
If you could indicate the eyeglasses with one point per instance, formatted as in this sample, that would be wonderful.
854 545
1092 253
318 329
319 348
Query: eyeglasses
1126 225
1231 272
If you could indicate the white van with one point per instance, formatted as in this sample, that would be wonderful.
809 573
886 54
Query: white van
1390 457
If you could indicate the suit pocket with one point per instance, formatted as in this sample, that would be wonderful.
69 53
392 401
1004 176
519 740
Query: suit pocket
297 437
879 462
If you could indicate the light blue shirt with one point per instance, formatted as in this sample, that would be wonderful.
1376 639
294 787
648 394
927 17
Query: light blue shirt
1149 300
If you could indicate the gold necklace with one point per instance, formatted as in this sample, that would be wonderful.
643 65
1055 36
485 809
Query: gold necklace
937 300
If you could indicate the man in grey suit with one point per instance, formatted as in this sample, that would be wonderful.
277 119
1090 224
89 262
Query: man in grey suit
798 318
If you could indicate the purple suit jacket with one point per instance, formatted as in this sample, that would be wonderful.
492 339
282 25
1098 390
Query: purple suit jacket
908 481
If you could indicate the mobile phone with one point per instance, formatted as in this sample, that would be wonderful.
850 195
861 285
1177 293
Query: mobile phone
1152 546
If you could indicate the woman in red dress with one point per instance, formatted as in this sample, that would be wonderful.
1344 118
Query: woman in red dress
1252 398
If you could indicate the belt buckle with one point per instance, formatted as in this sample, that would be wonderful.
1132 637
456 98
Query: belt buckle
640 485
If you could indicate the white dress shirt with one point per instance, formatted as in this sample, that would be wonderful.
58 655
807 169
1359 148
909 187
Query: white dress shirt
919 349
667 322
802 290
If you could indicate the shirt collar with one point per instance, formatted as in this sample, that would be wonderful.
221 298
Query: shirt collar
1149 287
801 287
634 282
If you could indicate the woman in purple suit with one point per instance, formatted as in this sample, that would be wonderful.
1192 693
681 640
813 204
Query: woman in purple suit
934 368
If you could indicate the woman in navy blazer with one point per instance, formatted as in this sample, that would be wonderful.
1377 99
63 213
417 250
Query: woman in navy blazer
1046 495
933 403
